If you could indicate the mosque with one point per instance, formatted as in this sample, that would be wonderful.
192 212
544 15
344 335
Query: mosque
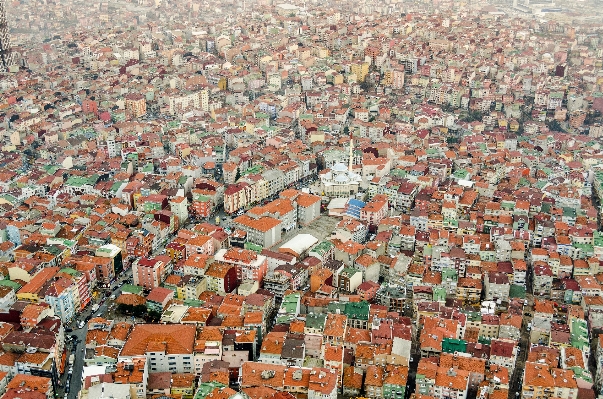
340 180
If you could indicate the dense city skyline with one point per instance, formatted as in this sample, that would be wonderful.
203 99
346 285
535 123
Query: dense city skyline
301 200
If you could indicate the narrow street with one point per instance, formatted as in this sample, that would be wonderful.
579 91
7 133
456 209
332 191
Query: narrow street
75 378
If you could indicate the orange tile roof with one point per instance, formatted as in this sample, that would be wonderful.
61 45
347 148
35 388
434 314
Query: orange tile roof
293 378
97 337
38 281
538 375
257 317
427 368
544 307
467 363
107 351
323 381
573 357
37 358
296 326
356 335
273 343
30 383
374 376
499 393
335 325
32 311
218 270
9 358
182 380
502 373
352 377
259 392
172 338
130 299
252 375
333 353
452 379
262 224
305 200
396 375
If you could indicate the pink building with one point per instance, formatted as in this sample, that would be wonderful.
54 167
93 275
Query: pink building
249 264
374 211
367 290
149 272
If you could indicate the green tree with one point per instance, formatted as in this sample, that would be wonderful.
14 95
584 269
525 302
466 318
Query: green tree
153 316
124 309
555 126
139 310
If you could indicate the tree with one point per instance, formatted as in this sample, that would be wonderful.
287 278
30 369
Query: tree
366 85
555 126
153 316
472 116
238 176
139 310
122 308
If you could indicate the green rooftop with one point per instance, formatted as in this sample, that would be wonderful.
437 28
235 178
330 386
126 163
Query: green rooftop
517 291
336 307
253 247
461 174
254 170
71 272
316 321
205 388
582 374
357 310
472 315
290 304
398 172
194 303
569 212
323 248
579 334
78 181
116 185
451 345
131 289
10 284
439 294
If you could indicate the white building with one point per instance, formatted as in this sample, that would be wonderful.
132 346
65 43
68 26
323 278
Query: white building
339 182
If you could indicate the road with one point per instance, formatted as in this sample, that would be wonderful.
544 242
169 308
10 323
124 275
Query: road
516 378
80 333
75 378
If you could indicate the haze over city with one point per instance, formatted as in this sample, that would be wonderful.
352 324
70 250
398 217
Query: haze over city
301 199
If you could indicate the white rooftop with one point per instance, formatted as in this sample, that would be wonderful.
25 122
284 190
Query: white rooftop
299 244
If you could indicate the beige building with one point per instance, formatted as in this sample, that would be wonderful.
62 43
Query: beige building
136 104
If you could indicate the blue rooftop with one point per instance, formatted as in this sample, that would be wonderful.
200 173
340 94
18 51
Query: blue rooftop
353 208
